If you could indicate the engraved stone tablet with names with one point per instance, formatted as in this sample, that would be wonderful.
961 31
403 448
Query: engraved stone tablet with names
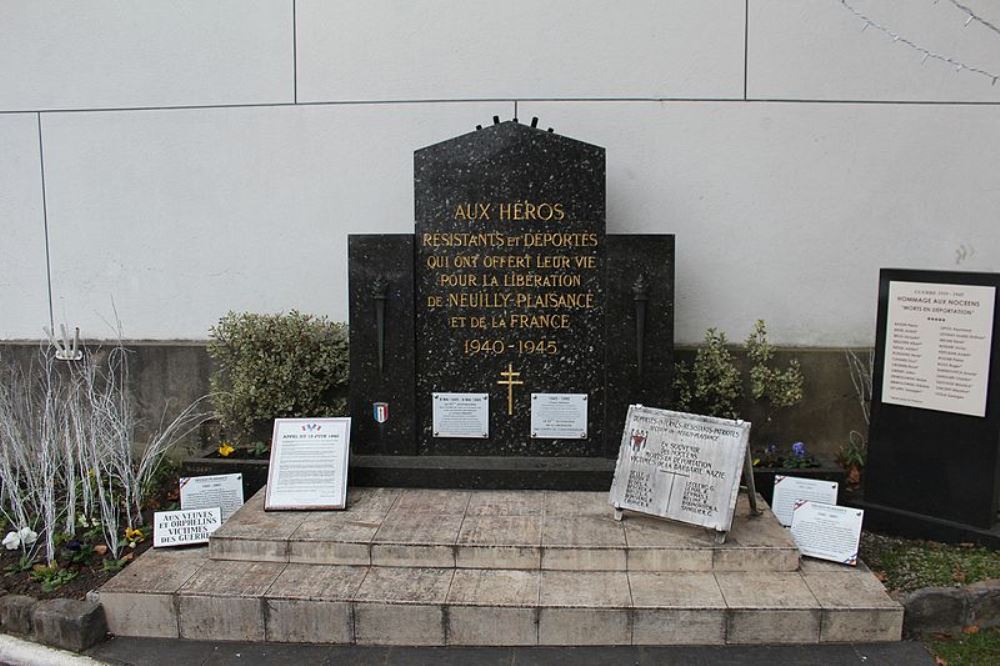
680 466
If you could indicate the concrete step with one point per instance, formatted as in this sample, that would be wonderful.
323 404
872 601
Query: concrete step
481 529
184 593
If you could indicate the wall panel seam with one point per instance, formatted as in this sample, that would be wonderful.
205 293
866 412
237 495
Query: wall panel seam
507 100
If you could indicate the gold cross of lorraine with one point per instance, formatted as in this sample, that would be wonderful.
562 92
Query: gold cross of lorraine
509 381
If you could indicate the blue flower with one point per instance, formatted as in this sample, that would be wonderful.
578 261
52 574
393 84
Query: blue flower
799 450
771 449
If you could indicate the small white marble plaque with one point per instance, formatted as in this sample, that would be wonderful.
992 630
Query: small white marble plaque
680 466
937 346
559 416
183 528
461 415
827 532
790 489
308 464
204 492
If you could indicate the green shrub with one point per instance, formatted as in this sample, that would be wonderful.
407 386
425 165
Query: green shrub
276 366
778 388
713 385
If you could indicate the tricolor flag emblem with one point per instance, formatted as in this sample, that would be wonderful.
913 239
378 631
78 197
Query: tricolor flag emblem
380 412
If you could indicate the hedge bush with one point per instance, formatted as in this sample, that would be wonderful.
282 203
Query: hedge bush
276 366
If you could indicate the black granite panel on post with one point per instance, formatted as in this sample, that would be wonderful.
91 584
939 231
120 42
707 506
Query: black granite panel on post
935 463
381 274
510 225
640 327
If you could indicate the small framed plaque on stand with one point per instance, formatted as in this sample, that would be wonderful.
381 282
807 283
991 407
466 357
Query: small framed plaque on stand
308 464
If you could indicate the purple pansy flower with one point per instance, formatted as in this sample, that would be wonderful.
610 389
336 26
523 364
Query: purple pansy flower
799 450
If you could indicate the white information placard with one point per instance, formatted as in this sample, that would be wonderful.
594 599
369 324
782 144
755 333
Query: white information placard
937 346
559 416
680 466
308 464
461 415
791 489
827 532
183 528
203 492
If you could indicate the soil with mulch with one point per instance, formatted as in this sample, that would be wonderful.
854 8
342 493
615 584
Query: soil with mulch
91 575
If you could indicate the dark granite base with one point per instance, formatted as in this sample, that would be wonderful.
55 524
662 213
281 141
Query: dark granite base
479 472
896 522
483 472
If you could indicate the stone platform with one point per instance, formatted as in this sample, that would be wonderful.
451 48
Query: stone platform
431 567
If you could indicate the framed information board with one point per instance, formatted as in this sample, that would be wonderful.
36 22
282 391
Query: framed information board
308 464
934 439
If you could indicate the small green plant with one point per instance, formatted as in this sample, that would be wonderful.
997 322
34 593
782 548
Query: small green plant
51 576
776 388
112 565
272 366
260 449
853 455
25 563
852 458
713 385
76 552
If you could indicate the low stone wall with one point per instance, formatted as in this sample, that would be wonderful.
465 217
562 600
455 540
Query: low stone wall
949 610
69 624
167 376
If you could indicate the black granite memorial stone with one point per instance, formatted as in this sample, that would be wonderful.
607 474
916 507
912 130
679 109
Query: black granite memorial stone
934 451
509 287
509 277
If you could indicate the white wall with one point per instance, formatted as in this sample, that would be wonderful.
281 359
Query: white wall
200 157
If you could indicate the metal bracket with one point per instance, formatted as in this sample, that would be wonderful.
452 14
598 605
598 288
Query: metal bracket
65 351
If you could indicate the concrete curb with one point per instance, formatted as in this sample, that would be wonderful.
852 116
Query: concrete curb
948 610
19 651
69 624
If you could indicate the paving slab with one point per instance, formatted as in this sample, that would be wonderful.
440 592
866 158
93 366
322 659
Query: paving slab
223 600
406 585
311 604
480 587
254 535
140 599
854 606
506 503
